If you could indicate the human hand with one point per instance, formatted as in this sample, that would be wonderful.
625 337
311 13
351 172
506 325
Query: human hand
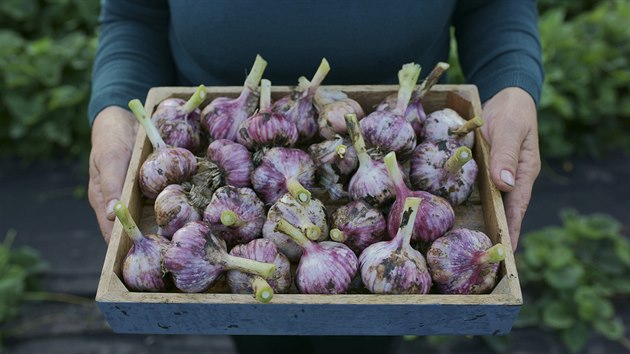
113 135
511 129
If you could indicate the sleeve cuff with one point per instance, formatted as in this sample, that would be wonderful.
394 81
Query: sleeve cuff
104 100
492 84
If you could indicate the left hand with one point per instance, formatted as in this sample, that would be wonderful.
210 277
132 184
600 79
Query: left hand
511 129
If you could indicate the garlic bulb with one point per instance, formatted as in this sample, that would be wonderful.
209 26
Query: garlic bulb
177 120
465 262
260 250
165 165
358 225
446 124
335 160
394 267
233 160
142 266
175 206
223 116
311 219
445 170
196 258
325 268
235 214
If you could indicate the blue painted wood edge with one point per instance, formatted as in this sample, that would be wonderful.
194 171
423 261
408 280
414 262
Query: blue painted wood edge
312 319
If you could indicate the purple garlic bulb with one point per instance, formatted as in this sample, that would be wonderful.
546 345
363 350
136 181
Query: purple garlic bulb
233 160
465 262
196 258
165 165
260 250
325 268
370 182
235 214
284 170
177 120
175 206
298 107
336 160
394 267
445 170
435 215
142 266
223 116
358 225
446 124
265 128
310 218
414 114
386 131
333 106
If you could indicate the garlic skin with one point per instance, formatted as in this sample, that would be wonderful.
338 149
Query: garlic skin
265 128
263 251
325 267
444 169
298 106
142 266
385 132
336 160
177 120
223 116
173 209
394 267
236 215
435 215
357 225
465 262
370 182
311 219
234 161
284 170
414 114
446 124
196 258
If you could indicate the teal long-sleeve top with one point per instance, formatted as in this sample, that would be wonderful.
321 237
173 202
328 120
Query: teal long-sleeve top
147 43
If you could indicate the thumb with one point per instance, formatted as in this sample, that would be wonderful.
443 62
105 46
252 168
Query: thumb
505 147
113 170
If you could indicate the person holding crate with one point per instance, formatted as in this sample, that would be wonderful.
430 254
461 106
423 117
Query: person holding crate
147 43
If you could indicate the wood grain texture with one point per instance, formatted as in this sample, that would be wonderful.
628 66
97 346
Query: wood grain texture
219 312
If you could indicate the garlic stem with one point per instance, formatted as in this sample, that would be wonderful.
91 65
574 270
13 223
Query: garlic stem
469 126
195 100
132 230
394 172
229 218
265 96
250 266
297 190
338 235
319 76
262 290
341 151
408 218
254 76
432 79
354 130
307 227
493 254
141 115
459 158
296 234
407 78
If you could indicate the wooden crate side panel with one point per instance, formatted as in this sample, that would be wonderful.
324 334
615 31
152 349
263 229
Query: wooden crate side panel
290 319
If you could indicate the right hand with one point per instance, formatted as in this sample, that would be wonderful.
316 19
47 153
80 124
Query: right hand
113 136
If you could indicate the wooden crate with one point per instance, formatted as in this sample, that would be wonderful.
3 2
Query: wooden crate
219 312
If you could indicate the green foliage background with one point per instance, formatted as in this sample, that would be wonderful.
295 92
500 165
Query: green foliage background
48 47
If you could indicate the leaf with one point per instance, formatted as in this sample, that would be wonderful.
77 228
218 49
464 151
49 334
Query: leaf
568 277
622 250
560 257
611 328
575 337
591 305
558 315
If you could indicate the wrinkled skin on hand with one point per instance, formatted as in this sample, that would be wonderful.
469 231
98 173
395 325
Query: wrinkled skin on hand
511 129
113 135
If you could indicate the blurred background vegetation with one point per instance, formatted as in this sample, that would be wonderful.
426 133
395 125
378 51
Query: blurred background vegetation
48 47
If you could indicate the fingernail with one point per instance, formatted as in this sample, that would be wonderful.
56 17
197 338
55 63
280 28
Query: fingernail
110 209
507 177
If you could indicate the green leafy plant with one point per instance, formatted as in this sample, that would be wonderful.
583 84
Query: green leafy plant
572 275
45 63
